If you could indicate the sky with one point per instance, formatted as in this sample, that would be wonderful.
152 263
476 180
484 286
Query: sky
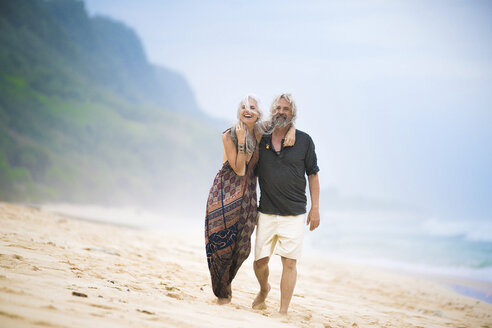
397 95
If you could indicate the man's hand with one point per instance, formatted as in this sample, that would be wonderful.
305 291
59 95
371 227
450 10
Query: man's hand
313 219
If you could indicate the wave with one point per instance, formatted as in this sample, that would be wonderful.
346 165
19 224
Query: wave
469 230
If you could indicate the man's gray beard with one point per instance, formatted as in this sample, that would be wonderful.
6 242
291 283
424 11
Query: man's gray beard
276 123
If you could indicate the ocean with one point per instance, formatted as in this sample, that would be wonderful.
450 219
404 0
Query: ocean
398 241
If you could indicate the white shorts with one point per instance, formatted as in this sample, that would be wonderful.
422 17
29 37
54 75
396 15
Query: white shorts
282 234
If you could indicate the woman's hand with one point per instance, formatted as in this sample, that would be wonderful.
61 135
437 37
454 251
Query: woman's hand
240 133
290 137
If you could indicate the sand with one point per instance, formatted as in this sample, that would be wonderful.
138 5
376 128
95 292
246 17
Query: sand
60 272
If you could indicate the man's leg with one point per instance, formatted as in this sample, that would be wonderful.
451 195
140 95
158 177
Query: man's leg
261 272
287 283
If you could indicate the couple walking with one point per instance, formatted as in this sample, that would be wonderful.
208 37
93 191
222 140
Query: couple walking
280 156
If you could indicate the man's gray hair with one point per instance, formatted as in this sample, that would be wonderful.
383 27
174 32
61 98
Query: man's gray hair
290 100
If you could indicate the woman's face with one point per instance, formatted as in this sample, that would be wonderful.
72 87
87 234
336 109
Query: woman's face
251 114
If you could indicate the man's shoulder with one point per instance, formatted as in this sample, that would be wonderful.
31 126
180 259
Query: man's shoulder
302 134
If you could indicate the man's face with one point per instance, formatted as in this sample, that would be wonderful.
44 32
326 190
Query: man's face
283 114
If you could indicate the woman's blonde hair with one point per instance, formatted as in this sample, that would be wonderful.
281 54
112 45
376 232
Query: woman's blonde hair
259 124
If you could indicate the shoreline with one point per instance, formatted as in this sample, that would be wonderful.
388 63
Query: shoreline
466 286
475 289
99 274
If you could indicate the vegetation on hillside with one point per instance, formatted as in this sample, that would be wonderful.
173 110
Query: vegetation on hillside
84 117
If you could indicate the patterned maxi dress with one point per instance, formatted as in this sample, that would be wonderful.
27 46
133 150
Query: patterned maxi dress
229 222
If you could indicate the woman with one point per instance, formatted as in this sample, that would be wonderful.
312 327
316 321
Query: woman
231 207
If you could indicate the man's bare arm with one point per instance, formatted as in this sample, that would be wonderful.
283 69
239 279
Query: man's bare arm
313 216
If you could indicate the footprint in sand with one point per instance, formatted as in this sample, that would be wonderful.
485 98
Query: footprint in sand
101 306
49 307
43 323
10 315
307 317
146 312
174 295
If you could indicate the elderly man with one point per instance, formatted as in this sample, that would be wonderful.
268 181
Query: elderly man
282 211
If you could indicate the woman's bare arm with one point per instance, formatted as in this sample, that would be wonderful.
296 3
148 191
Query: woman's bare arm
237 159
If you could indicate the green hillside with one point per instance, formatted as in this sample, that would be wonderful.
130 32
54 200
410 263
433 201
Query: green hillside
84 117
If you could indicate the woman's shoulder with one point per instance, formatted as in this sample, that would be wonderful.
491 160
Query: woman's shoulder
227 132
227 135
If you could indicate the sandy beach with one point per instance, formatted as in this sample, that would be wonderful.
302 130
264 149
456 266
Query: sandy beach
57 271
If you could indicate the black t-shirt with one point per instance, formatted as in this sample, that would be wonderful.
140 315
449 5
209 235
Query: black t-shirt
282 176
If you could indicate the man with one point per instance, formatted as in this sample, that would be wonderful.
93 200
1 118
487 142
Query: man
282 211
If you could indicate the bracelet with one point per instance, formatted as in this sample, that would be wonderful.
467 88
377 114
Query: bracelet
241 149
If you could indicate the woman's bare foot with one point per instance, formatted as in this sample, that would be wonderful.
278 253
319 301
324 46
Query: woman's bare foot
259 302
223 301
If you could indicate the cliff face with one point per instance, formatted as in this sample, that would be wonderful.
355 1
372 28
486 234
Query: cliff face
85 117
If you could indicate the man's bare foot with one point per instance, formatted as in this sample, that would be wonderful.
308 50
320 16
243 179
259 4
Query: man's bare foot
284 317
279 315
259 302
223 301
